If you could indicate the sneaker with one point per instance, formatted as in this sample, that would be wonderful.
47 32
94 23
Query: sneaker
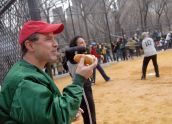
157 75
109 80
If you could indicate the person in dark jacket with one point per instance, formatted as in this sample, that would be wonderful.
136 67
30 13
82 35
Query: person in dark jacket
78 46
29 95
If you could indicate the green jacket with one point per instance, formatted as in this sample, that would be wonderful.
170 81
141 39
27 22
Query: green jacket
29 96
131 44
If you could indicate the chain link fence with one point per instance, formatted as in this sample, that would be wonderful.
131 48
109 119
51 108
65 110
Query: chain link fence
10 22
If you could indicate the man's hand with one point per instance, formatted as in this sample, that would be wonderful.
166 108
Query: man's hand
78 114
86 70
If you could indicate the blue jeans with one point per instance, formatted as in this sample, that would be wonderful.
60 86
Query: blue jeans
119 54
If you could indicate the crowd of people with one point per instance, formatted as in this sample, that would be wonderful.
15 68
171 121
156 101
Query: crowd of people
122 49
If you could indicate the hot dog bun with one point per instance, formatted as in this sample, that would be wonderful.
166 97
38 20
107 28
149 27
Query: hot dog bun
89 59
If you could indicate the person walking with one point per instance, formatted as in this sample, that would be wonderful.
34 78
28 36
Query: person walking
78 46
100 69
29 95
149 54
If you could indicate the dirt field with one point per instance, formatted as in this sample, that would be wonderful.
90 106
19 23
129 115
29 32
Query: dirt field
129 100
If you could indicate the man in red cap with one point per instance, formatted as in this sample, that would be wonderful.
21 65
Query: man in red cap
29 95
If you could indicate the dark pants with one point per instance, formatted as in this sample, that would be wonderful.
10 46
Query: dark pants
87 104
146 62
102 72
124 55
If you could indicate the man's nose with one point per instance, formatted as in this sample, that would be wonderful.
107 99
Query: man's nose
55 43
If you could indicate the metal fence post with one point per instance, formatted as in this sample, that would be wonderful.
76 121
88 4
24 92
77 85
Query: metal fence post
34 9
108 28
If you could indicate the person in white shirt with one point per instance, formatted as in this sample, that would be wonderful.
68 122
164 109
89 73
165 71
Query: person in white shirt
149 54
169 40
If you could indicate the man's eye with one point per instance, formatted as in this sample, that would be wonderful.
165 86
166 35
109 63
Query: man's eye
48 39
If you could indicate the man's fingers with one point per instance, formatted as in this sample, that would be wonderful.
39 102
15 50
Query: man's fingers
81 110
94 64
81 62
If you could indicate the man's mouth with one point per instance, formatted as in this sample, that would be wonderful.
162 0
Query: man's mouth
54 51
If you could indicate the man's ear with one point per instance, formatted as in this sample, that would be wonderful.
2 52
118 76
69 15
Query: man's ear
29 45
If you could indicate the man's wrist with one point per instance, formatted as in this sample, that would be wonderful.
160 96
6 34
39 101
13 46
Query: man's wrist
79 80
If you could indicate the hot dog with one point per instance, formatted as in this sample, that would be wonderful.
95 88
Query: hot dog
89 59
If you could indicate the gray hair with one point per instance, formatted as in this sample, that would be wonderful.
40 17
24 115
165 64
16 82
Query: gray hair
144 34
34 37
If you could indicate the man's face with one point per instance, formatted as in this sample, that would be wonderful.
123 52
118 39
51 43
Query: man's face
81 42
45 49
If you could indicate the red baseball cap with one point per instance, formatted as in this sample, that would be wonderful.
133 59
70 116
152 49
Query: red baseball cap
32 27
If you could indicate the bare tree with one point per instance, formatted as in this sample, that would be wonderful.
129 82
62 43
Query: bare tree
143 6
85 8
166 11
158 6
